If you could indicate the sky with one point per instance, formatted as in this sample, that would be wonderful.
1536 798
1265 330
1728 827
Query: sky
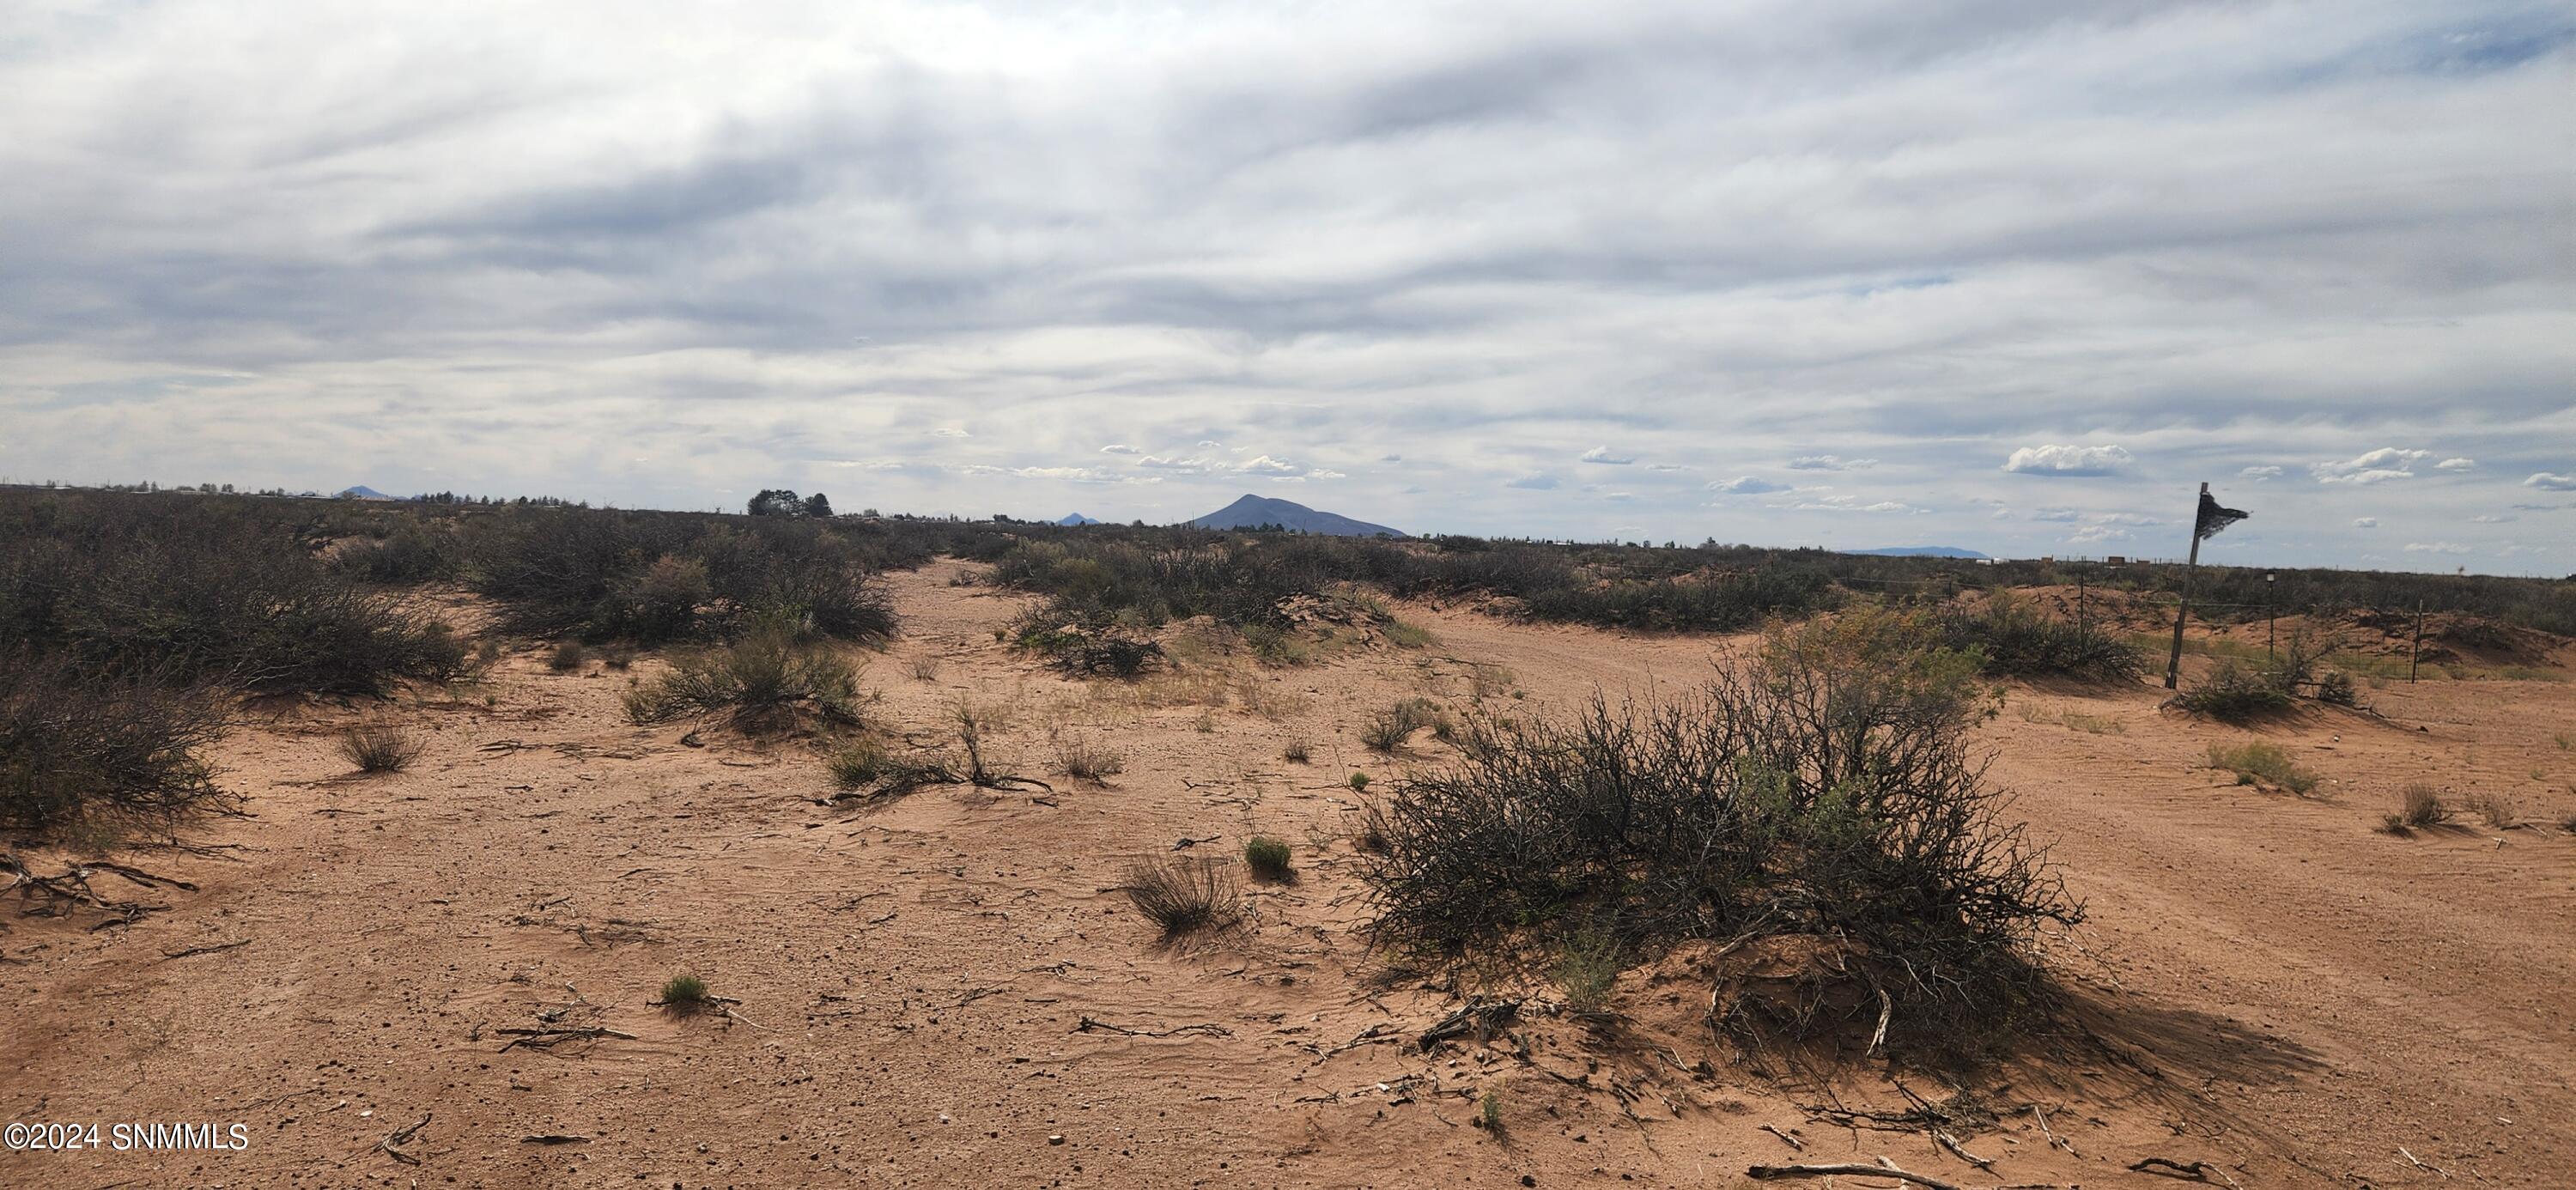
2008 276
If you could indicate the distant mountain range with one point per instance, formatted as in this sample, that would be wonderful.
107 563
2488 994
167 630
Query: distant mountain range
1075 518
1919 551
1252 512
362 492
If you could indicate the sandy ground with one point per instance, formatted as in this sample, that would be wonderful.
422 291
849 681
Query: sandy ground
949 990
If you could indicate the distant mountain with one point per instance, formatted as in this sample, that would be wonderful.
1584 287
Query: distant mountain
1252 512
1920 551
363 493
1075 518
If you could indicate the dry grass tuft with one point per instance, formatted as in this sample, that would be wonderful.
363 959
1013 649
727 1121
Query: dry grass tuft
380 749
2500 811
1084 758
2418 805
1184 896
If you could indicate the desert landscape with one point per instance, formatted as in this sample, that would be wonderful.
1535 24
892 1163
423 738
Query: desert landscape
578 929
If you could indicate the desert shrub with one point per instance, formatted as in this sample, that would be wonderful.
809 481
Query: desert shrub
1267 857
2418 805
1296 752
1587 967
925 668
660 603
2500 811
1405 634
200 592
1824 789
765 683
685 993
2335 686
654 577
2015 640
2233 693
2262 762
74 746
411 554
1393 727
567 657
380 748
856 764
1086 759
1359 782
1096 647
1184 895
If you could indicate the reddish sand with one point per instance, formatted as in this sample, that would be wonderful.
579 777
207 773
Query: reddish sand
2272 984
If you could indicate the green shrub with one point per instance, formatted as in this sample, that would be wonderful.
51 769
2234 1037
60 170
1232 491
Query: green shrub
1825 790
2262 762
764 684
1393 727
1587 967
2233 693
1267 857
567 657
2014 640
685 993
857 764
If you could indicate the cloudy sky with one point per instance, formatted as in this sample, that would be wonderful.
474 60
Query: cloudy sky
1856 274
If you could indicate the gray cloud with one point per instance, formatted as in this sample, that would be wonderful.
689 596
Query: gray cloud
433 250
1604 456
1745 485
2551 483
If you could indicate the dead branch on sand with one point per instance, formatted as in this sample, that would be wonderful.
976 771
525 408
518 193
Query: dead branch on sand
402 1136
1884 1169
2198 1171
1088 1024
549 1038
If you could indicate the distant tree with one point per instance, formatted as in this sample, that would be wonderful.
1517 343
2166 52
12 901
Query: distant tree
777 502
818 505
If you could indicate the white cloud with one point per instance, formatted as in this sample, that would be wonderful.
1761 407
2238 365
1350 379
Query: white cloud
2435 547
2551 483
1119 448
1745 485
2094 534
2068 460
1830 463
2365 522
1853 504
2491 519
2055 514
1265 465
2378 466
1192 466
2261 474
1602 455
2456 464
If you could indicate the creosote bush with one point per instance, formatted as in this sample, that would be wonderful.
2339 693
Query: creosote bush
2262 762
1183 896
74 746
2233 693
1267 857
380 748
2016 640
1824 789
